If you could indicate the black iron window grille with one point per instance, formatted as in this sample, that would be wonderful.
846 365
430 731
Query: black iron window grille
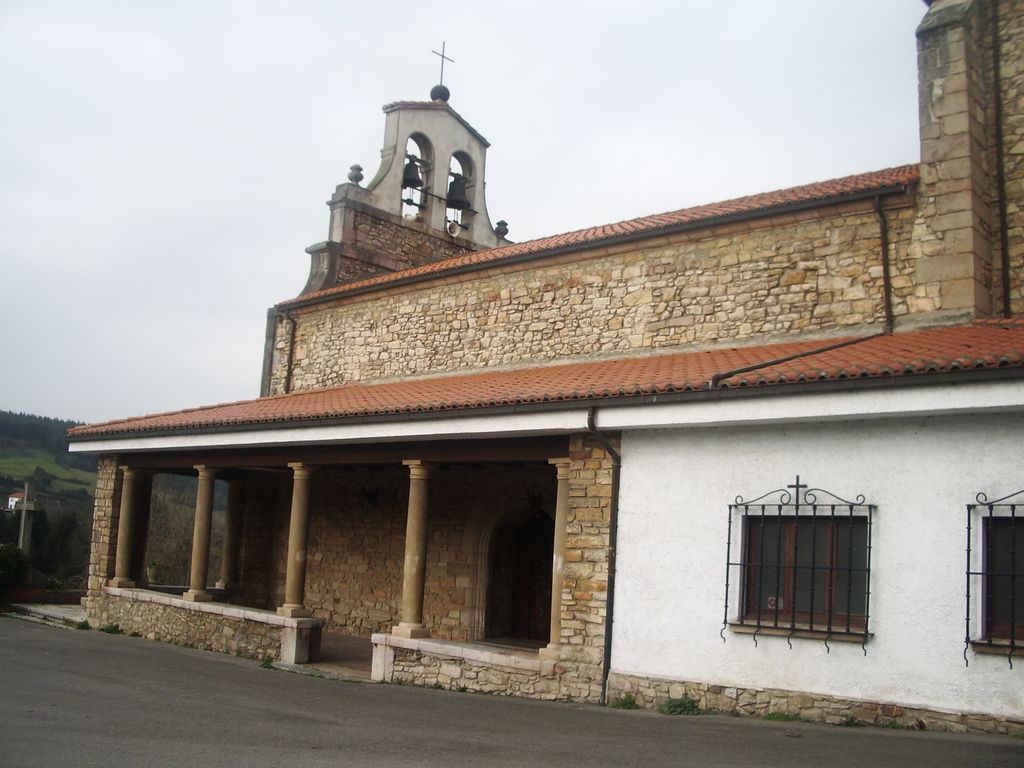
798 563
995 575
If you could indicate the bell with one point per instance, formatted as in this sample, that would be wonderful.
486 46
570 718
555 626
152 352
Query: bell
411 175
457 194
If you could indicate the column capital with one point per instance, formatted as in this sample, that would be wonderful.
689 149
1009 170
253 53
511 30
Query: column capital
300 470
562 465
418 469
127 471
205 471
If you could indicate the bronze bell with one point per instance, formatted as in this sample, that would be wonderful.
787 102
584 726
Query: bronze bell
457 194
411 175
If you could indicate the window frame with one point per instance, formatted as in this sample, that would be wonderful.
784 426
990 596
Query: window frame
982 631
796 507
829 617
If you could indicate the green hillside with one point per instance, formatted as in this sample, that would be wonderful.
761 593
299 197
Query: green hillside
24 464
33 449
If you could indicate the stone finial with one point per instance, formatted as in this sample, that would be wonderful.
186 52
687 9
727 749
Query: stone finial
355 173
502 228
440 94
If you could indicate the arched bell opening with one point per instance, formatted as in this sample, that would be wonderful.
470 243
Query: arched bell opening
459 200
416 177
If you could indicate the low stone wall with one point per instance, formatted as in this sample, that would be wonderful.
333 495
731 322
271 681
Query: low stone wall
652 692
463 666
206 626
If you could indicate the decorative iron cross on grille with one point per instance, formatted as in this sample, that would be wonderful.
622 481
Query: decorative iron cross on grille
796 490
443 60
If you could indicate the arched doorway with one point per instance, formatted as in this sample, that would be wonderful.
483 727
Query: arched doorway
519 590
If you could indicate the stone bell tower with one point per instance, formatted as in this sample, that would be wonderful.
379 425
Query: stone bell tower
425 203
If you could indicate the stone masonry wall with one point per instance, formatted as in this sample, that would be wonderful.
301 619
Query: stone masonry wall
585 589
414 668
103 547
356 547
193 629
577 675
369 242
801 273
652 692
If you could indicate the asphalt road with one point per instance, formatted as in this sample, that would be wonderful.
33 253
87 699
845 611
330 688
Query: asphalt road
84 698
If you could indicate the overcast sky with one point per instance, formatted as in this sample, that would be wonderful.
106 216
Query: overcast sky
163 165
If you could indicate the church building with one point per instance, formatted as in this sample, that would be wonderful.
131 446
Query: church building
763 454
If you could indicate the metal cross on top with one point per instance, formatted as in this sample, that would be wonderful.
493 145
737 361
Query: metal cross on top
443 60
796 489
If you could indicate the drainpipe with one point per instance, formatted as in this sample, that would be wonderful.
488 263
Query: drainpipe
291 351
883 231
997 92
613 535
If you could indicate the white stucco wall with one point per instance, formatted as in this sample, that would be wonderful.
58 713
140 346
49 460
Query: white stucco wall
920 472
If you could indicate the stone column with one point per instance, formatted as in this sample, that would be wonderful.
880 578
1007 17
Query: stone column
232 529
201 536
125 524
551 652
415 569
298 534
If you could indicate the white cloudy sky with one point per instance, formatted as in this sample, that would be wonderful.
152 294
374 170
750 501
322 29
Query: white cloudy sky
164 164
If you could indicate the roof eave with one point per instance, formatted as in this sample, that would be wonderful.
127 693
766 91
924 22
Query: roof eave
704 393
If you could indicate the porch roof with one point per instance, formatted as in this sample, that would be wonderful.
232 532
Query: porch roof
919 356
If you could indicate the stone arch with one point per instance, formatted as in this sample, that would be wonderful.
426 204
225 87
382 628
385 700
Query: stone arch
504 503
415 201
461 171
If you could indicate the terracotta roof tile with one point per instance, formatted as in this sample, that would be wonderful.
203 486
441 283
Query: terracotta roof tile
982 345
766 202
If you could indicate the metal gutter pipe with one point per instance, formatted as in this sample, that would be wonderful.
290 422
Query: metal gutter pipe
291 351
723 375
997 92
613 536
883 233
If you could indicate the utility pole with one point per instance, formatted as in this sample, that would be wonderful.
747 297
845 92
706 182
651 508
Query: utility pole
25 533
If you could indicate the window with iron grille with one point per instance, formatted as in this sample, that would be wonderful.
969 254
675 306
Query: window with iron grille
798 563
995 575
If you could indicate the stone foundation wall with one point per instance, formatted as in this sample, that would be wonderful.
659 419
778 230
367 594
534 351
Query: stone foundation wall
415 668
814 272
652 692
189 628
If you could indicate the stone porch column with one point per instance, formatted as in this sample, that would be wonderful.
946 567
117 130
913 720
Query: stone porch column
201 536
553 649
415 569
125 532
232 528
298 535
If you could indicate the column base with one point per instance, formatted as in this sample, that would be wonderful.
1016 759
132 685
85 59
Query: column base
121 583
406 629
549 657
293 611
550 652
221 584
197 596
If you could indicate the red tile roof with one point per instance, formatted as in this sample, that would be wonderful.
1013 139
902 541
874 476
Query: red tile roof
982 345
766 204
